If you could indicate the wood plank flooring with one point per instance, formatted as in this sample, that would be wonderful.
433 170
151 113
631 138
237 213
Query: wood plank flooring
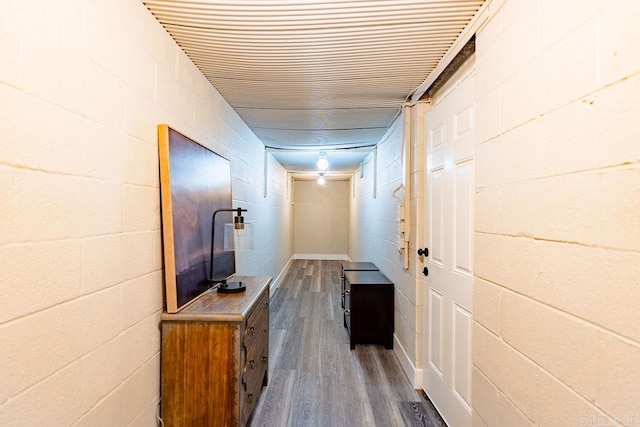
314 379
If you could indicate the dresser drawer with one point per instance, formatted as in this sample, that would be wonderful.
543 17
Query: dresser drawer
257 323
255 355
251 393
253 373
252 350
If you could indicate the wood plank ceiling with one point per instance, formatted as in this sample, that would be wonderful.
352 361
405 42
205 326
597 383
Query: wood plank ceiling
315 74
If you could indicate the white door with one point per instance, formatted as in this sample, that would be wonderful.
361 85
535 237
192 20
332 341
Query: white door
449 237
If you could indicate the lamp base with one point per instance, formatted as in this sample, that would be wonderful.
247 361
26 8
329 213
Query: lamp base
231 287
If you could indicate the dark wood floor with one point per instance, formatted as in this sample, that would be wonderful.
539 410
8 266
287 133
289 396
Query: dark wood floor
314 379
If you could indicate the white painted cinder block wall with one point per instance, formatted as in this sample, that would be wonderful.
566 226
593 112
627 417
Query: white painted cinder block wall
557 254
83 85
373 237
321 219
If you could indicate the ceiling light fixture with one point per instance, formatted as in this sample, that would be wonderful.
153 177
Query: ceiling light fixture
321 179
323 163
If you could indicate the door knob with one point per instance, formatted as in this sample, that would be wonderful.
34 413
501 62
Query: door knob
423 252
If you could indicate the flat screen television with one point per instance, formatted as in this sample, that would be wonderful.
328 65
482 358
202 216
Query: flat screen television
194 183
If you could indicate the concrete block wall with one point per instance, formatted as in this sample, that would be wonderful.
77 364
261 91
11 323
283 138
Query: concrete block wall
557 252
321 219
373 237
272 216
83 85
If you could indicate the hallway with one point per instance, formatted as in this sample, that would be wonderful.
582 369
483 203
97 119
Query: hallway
553 187
314 379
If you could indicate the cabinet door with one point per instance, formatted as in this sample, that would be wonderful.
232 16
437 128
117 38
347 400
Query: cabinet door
193 395
371 318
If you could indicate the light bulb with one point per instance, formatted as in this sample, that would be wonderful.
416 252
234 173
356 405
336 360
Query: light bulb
323 164
321 180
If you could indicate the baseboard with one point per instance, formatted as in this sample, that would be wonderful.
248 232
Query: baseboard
338 257
275 284
414 374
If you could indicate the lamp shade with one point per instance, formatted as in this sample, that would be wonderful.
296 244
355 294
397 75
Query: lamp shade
238 236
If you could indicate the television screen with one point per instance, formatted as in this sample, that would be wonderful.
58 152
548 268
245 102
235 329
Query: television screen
194 183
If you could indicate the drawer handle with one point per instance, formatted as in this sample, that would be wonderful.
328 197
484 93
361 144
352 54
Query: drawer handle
347 312
250 397
264 359
252 331
251 364
347 292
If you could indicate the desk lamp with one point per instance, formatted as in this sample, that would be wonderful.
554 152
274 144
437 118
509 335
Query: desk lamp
237 236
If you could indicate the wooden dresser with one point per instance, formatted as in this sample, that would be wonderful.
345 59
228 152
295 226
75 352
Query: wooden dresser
215 357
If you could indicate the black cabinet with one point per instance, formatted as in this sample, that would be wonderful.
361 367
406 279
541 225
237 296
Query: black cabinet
354 266
368 311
